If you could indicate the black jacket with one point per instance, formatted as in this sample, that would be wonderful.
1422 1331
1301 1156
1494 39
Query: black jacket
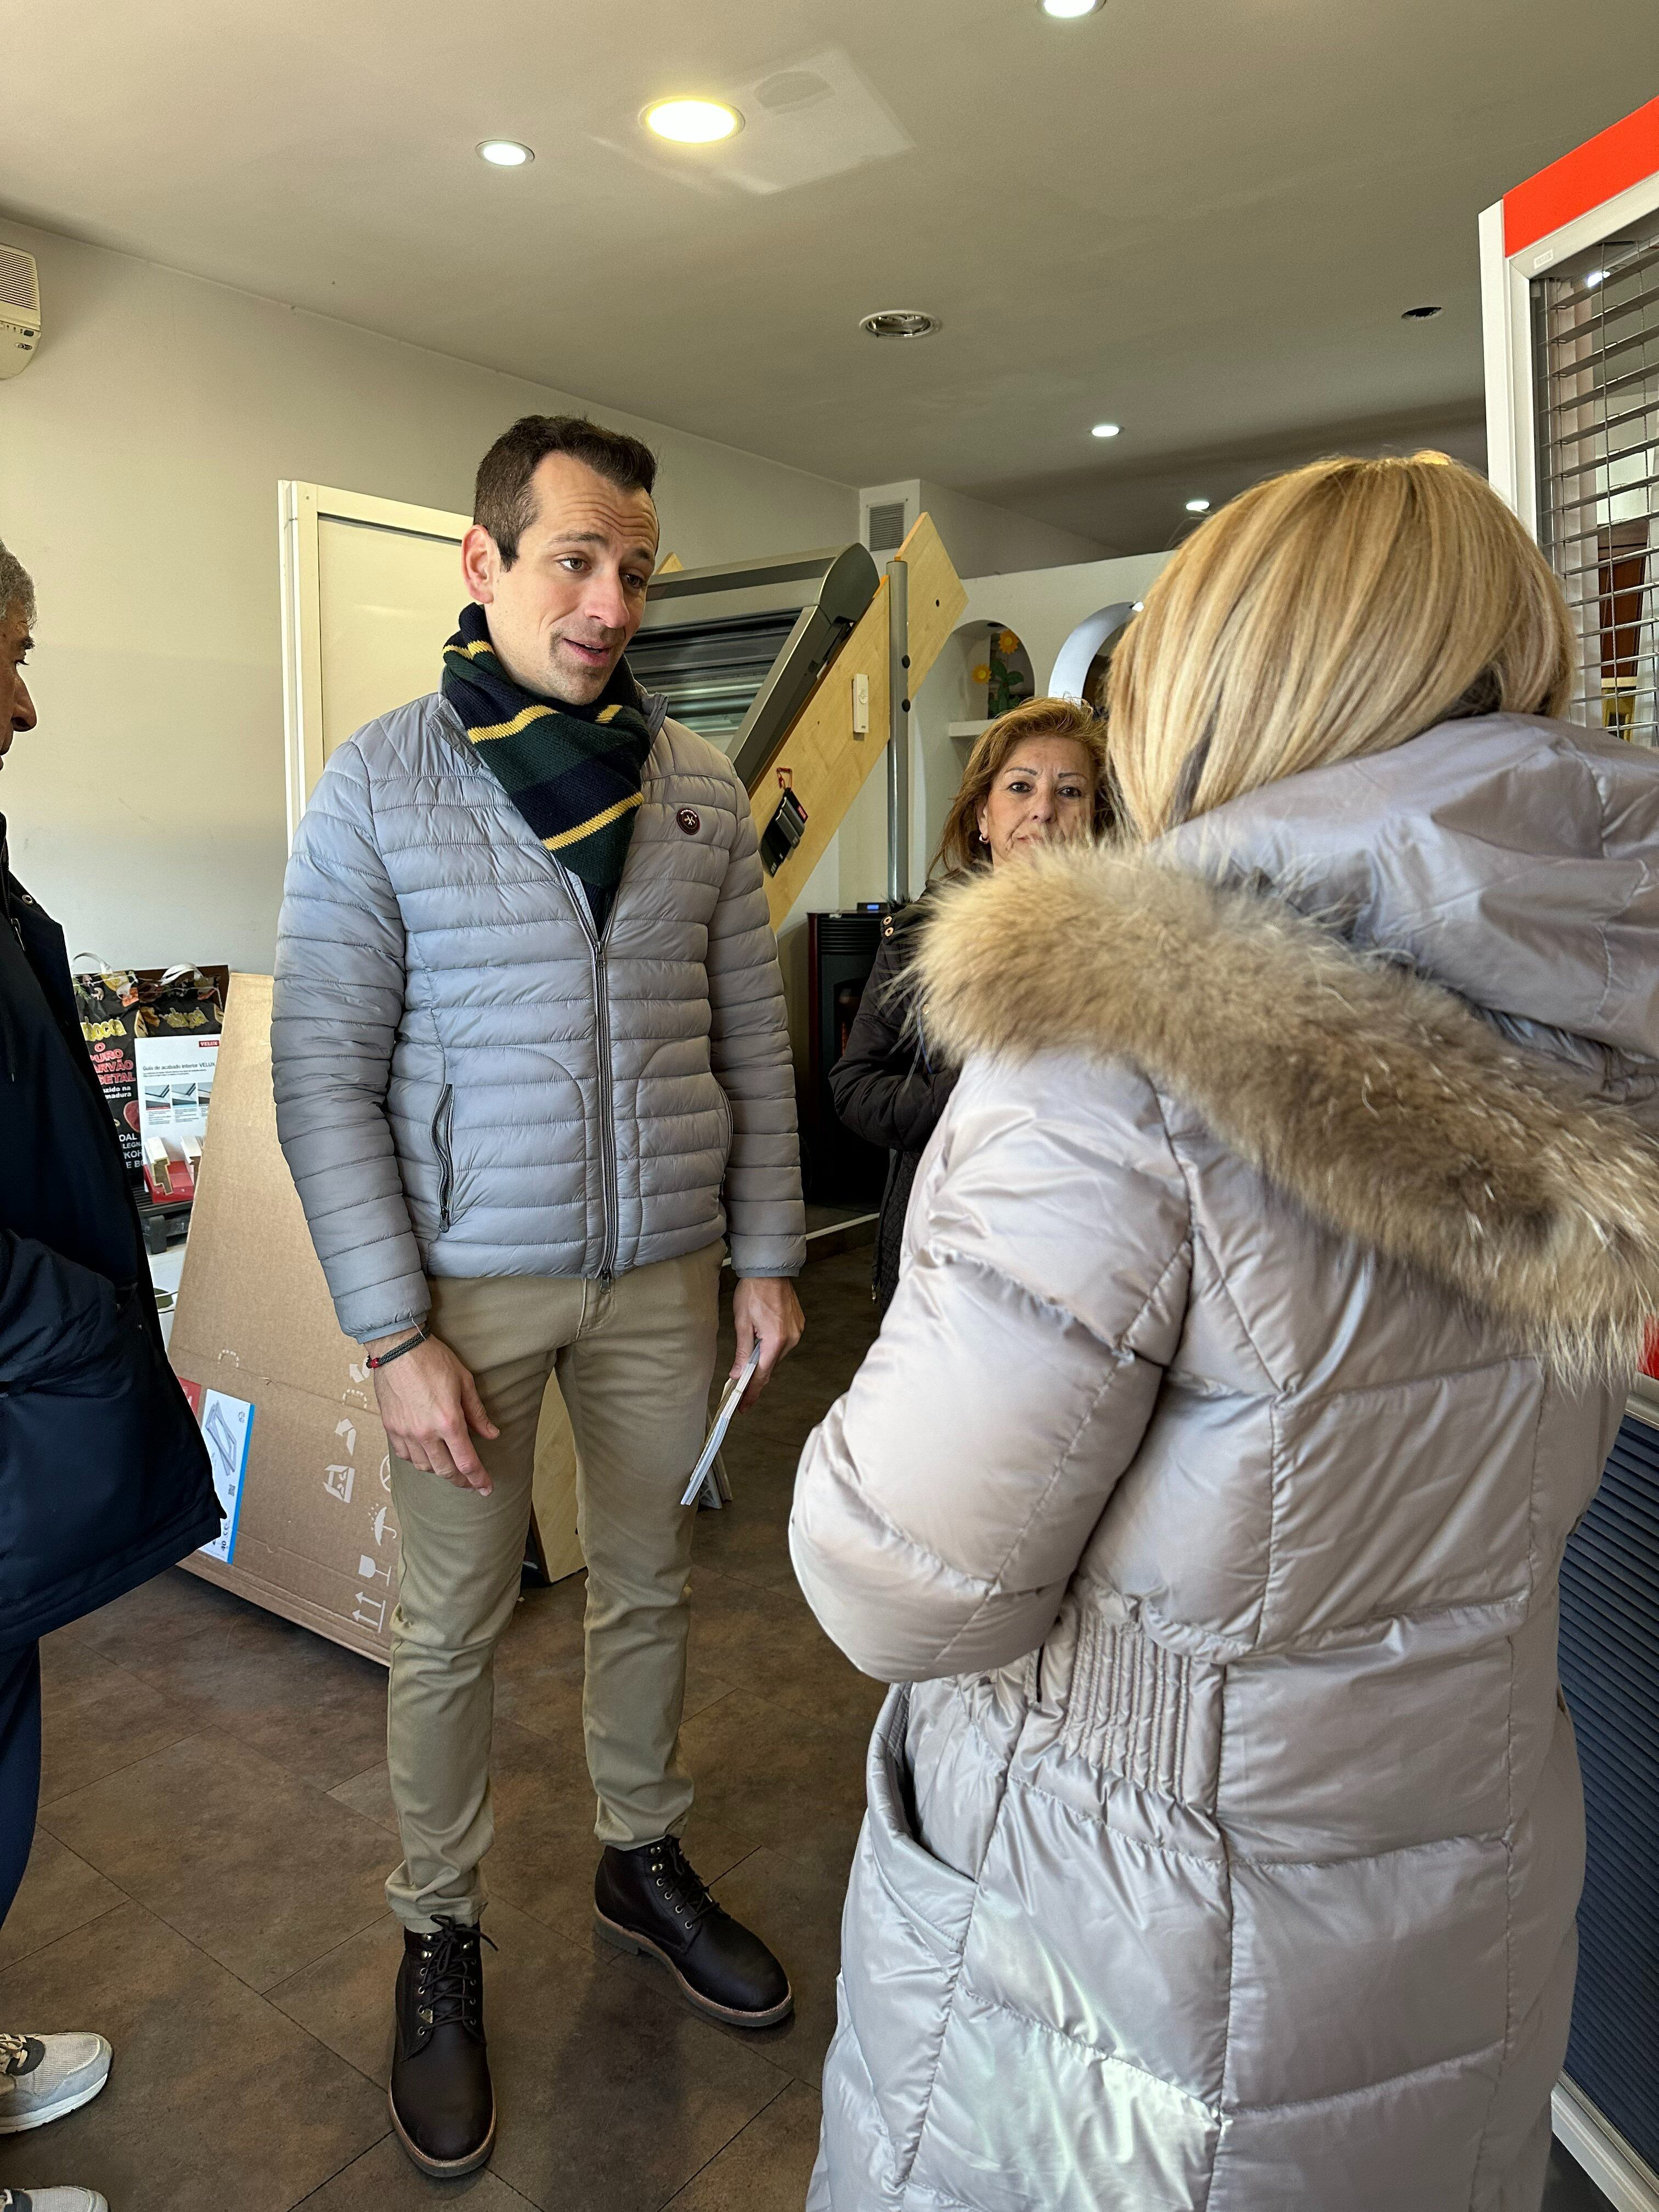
104 1478
886 1088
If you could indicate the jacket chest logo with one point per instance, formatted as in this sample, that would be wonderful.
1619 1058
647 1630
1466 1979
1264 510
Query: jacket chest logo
690 820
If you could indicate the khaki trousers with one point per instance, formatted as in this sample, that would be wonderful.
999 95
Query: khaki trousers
632 1359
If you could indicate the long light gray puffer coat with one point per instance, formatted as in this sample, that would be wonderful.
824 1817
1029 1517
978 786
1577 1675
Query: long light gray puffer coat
1258 1346
468 1082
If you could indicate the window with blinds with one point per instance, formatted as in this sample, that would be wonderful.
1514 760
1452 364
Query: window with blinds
1596 372
1610 1673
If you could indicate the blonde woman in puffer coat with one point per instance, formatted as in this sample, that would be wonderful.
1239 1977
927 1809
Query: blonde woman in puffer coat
1270 1288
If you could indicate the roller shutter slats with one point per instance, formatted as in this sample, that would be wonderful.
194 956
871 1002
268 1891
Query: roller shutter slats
1610 1673
1595 363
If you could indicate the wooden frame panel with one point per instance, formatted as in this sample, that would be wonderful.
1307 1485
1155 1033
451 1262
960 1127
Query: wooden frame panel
820 760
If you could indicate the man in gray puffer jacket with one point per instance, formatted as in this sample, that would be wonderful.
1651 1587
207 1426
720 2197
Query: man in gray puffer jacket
530 1066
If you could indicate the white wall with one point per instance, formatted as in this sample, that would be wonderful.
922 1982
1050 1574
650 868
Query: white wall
1042 607
981 538
139 458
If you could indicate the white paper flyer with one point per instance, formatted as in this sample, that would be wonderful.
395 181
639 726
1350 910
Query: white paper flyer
730 1398
226 1428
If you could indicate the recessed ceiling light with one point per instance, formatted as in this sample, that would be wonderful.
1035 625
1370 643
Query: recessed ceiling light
1067 11
1594 277
1198 507
1421 315
900 323
1105 429
505 153
692 122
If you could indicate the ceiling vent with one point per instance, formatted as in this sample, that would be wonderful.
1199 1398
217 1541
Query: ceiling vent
20 309
886 526
887 515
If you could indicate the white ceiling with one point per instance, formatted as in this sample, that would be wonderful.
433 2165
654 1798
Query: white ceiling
1199 218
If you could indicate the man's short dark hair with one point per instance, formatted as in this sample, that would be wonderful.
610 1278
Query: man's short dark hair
503 499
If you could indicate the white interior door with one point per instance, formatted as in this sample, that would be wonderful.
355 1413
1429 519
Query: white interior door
370 588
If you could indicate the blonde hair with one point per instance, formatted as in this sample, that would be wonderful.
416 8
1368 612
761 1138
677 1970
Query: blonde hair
1334 611
960 846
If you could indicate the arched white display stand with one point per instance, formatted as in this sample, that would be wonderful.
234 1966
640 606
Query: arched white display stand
1077 655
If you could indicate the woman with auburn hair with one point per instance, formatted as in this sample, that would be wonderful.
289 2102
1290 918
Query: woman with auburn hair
1272 1285
1036 774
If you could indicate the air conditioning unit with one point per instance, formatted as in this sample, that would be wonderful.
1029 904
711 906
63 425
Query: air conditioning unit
20 309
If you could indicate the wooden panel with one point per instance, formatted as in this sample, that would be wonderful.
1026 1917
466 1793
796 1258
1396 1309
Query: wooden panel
820 760
938 600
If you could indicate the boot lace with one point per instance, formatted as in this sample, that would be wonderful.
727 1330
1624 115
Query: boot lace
449 1978
677 1883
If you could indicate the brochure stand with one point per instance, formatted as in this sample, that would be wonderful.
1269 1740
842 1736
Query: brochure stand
310 1528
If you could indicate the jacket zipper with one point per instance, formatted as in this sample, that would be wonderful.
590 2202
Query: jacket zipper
446 1157
609 1173
576 893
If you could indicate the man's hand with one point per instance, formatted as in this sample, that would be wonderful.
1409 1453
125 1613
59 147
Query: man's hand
766 1312
432 1411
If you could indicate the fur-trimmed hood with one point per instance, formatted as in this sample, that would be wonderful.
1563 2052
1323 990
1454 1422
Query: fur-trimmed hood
1484 1153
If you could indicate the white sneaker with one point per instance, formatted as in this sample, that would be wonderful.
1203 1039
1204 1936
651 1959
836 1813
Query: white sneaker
52 2200
41 2078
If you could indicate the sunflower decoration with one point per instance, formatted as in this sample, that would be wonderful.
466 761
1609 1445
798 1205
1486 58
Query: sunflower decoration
1004 687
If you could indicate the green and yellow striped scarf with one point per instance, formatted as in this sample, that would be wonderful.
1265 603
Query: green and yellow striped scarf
573 772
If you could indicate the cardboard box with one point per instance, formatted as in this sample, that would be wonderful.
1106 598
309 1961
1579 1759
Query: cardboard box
316 1539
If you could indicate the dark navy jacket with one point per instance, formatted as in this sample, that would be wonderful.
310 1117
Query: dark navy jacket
886 1087
104 1478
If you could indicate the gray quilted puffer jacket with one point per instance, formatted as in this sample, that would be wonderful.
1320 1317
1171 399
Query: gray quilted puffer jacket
470 1083
1264 1324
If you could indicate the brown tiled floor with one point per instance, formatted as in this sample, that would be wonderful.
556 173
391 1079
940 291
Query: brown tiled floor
215 1828
205 1889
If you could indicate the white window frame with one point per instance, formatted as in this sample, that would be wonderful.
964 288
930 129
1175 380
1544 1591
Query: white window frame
1624 2177
1506 322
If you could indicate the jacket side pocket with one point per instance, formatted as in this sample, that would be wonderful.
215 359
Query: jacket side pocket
442 1129
104 1481
906 1925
